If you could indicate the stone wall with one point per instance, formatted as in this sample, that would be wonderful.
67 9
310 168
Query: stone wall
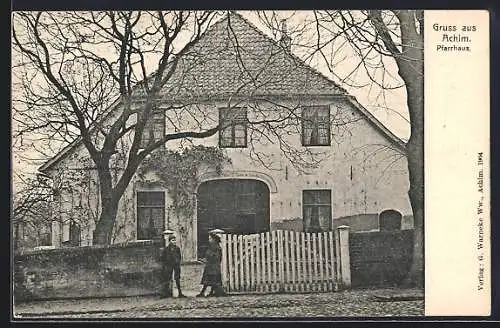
94 271
133 269
380 258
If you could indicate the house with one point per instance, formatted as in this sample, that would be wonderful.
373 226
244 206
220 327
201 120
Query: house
329 158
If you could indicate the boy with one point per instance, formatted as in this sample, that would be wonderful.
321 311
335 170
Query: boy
171 261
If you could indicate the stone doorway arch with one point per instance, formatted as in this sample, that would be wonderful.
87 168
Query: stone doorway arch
239 206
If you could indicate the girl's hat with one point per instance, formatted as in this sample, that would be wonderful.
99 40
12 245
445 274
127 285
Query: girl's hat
216 231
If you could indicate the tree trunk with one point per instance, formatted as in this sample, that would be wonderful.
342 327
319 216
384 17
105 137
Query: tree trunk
416 193
104 228
415 155
109 206
411 69
110 198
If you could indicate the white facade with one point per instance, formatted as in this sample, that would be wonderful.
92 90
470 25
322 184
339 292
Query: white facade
363 167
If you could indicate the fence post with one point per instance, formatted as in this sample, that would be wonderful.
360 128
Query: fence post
280 260
344 259
225 279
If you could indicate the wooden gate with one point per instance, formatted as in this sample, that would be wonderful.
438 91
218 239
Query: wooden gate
281 261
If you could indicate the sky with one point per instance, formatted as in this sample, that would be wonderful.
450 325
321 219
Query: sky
388 107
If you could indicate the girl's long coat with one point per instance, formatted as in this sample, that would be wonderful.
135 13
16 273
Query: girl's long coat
212 271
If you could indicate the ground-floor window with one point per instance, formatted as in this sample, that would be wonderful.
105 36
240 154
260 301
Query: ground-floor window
150 214
317 210
71 234
45 234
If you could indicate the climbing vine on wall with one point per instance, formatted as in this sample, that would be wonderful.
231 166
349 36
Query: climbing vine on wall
179 172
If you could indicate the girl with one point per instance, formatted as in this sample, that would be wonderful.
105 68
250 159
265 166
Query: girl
212 271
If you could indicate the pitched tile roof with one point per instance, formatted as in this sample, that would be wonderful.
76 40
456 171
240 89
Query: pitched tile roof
234 58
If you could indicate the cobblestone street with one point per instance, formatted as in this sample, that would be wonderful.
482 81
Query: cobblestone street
350 303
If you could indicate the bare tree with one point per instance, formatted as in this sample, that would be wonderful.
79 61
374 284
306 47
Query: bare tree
372 41
31 210
72 68
80 63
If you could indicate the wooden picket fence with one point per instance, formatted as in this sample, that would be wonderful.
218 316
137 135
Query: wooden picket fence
281 261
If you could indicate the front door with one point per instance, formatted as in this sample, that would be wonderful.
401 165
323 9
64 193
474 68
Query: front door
238 206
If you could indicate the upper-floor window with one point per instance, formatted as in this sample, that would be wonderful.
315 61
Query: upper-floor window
233 131
154 130
150 214
316 126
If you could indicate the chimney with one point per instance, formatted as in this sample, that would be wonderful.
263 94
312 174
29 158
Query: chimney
286 40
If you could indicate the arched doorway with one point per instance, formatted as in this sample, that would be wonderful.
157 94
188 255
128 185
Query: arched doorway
234 205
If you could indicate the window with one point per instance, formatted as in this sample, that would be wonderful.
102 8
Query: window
150 214
45 234
317 209
233 133
316 126
74 234
154 129
71 234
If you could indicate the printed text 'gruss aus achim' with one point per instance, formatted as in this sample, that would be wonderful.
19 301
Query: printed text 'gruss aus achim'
454 38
